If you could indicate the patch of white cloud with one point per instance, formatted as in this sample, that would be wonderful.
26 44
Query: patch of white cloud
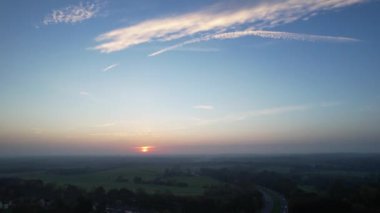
110 67
216 20
73 13
259 33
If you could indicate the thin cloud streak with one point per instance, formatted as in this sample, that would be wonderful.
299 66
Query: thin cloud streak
106 125
270 112
330 104
73 13
110 67
90 96
279 110
205 107
198 49
84 93
260 33
273 111
214 20
254 113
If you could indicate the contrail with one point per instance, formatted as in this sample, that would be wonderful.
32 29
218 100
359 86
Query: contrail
260 33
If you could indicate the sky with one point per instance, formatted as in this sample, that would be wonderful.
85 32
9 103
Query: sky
98 77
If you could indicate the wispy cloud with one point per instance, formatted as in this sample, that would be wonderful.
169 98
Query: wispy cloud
198 49
84 93
73 13
110 124
272 111
217 19
279 110
205 107
330 104
108 68
259 33
90 97
269 111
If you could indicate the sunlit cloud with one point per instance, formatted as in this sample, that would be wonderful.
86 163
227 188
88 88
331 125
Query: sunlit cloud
73 13
205 107
259 33
110 67
216 20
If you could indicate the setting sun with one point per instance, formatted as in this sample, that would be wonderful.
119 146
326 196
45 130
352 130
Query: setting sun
145 149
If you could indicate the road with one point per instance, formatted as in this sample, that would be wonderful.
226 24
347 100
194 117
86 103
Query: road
270 198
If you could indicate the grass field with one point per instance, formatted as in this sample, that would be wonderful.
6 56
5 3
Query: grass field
108 179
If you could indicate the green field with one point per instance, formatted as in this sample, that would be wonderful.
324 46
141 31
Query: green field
108 179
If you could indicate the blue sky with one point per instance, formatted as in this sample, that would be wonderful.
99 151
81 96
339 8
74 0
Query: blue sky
102 77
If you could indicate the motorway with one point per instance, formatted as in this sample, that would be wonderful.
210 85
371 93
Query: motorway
270 198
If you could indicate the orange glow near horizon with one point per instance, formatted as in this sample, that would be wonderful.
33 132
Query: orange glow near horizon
145 149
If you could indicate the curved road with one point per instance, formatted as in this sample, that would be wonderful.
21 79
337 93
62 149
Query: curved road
270 197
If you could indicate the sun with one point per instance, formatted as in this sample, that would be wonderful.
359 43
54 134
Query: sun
145 149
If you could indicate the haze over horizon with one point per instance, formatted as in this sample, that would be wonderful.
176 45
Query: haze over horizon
102 77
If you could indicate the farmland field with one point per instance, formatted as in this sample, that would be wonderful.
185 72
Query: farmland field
117 178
